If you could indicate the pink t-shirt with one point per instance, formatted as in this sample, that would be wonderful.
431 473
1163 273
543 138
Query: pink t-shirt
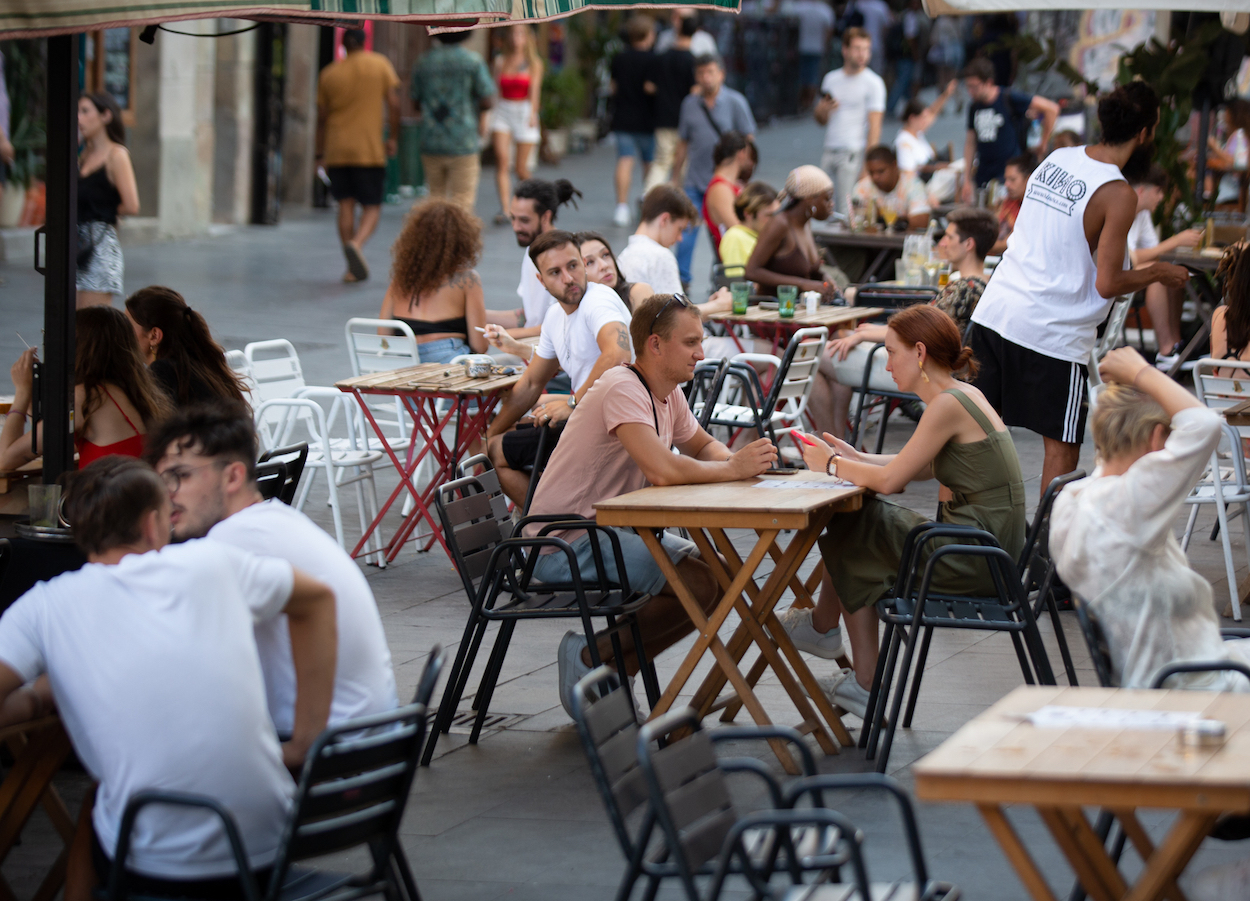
590 464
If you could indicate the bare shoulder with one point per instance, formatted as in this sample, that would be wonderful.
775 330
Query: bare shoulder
466 279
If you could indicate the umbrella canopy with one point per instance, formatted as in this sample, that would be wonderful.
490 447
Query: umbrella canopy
970 7
42 18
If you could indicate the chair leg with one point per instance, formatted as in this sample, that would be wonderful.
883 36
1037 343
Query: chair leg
646 666
886 406
474 645
493 667
1023 658
896 707
879 696
1189 526
400 862
1221 511
454 691
915 680
1047 596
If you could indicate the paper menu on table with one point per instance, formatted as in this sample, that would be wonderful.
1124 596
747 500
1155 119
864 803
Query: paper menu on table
1057 716
826 485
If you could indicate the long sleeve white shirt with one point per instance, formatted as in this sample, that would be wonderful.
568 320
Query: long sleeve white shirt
1112 542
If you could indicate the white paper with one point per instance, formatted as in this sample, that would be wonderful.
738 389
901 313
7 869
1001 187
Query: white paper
1054 716
807 486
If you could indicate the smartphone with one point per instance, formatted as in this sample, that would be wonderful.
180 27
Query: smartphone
826 96
801 438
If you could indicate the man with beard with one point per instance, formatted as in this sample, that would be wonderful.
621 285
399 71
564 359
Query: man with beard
1037 321
585 333
533 213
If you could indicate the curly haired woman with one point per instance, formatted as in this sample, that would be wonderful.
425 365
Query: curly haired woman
434 287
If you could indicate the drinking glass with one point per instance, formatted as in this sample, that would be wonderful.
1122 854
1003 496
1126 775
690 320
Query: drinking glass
741 293
45 505
786 295
889 214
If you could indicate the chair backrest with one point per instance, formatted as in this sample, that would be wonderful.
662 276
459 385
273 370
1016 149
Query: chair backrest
1095 642
606 723
794 380
1036 553
1113 333
237 361
371 352
1222 384
429 677
275 368
893 297
291 459
474 521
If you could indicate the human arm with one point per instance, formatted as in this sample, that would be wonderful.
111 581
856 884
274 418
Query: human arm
824 109
874 127
498 336
679 162
720 204
721 301
536 92
1219 333
485 90
614 349
770 240
313 626
319 134
392 107
15 448
638 292
1125 366
1116 203
970 161
122 174
867 332
523 395
26 702
1187 238
702 459
1048 112
474 309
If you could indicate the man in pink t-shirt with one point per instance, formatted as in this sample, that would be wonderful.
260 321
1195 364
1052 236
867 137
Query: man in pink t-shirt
619 439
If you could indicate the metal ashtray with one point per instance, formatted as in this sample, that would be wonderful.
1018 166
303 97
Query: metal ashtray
1203 734
478 366
57 534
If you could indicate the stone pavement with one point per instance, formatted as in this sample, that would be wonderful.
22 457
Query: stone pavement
517 816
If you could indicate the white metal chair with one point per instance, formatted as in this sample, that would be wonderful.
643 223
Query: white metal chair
1221 384
371 352
237 361
1112 337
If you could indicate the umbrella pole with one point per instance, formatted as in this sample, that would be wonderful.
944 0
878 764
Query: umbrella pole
1200 160
59 297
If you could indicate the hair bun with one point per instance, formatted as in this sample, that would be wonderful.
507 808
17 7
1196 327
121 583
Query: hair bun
565 192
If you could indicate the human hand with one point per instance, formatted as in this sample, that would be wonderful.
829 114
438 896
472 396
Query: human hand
840 347
7 153
293 753
392 147
552 412
826 104
1122 365
965 192
498 336
757 457
816 453
720 302
1170 275
533 117
843 448
23 374
1189 237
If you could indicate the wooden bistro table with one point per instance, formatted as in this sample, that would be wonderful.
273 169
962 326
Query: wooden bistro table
39 748
888 245
707 511
1203 293
998 759
419 389
764 321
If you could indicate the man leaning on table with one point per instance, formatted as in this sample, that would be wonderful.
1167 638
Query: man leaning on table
620 440
150 655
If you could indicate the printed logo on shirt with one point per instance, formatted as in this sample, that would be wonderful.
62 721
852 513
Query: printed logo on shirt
1055 187
987 122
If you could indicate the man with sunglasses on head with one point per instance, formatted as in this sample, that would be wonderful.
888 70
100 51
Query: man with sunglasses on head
206 455
622 439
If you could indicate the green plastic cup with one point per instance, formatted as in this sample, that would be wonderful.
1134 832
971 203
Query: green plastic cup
742 293
786 295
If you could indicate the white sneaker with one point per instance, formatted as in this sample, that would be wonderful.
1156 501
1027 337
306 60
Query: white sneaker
1164 362
571 668
1224 882
843 690
799 627
621 217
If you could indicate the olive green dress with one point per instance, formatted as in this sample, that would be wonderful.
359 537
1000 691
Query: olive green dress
862 548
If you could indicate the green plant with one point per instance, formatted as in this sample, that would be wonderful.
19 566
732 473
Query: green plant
25 75
564 97
595 38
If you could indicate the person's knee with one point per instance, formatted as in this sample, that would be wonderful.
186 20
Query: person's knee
494 450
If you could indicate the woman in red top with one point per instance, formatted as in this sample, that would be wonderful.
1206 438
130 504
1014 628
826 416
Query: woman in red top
734 157
514 120
116 399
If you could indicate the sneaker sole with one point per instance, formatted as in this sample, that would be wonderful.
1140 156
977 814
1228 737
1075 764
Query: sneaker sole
817 650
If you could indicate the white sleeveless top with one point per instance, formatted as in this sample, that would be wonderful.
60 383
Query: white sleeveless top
1042 293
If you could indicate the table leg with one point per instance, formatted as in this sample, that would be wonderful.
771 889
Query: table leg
1017 855
709 640
1145 846
1085 853
1171 857
877 263
25 786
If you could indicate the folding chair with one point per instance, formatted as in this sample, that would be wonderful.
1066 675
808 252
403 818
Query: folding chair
371 352
704 831
278 472
910 608
876 387
496 569
1112 337
352 791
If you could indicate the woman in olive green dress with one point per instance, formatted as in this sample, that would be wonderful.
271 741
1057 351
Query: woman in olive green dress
961 442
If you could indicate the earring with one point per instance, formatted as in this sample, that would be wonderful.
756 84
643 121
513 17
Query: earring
923 375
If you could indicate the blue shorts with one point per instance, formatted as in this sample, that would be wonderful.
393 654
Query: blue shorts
635 143
644 573
442 350
809 69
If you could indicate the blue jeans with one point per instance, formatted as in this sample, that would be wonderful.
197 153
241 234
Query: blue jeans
904 70
442 350
685 247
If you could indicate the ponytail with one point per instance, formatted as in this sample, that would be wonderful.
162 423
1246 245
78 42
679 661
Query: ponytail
547 196
927 325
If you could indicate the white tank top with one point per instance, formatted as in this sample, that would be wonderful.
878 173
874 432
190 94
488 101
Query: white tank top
1042 293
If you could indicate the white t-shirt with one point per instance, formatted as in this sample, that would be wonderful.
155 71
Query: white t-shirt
1043 295
573 339
857 96
913 151
157 680
701 43
650 262
363 680
1142 234
534 297
815 21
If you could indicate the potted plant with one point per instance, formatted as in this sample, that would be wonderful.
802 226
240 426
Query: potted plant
563 102
24 74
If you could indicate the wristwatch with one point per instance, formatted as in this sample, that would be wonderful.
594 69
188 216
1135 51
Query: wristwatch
572 401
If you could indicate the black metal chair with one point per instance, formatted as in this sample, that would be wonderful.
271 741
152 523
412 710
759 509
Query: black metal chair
496 569
911 608
704 832
608 730
352 791
278 472
888 398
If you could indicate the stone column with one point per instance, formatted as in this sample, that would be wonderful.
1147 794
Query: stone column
300 120
185 108
234 95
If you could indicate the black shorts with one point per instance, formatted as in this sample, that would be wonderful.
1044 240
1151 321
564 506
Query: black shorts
520 446
1045 395
364 184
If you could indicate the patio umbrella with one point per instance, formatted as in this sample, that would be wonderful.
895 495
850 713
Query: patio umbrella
59 20
971 7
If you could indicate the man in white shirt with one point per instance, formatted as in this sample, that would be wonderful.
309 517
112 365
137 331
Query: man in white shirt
533 213
901 195
206 454
585 333
149 652
851 107
666 212
1036 323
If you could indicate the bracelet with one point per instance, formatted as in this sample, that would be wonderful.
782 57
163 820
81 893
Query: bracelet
829 463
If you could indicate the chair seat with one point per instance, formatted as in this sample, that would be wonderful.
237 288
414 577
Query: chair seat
345 458
881 891
961 612
303 884
559 602
725 414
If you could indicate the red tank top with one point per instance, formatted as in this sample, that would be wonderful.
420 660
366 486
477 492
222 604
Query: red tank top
127 447
716 232
514 87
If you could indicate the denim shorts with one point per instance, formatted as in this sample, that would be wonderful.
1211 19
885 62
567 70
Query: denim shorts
644 573
442 350
635 143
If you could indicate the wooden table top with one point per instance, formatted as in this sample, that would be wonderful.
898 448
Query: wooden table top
739 505
998 758
1206 262
427 378
842 237
824 315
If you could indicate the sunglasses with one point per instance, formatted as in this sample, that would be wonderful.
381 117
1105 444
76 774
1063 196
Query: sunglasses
680 299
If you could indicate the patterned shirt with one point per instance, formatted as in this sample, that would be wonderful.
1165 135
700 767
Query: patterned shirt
959 298
448 83
907 199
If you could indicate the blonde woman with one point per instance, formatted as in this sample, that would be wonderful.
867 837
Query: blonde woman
518 72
